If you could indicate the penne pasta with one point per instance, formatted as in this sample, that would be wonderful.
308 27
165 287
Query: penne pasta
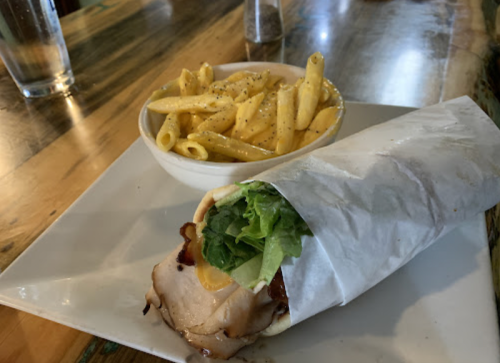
230 147
245 113
235 89
205 78
190 149
250 115
325 119
297 139
332 100
171 89
258 82
273 81
266 139
253 84
324 95
204 115
285 120
196 121
202 103
228 132
184 124
242 97
264 118
273 141
169 132
309 95
220 121
299 82
240 75
333 91
298 89
218 88
258 125
188 83
219 158
242 86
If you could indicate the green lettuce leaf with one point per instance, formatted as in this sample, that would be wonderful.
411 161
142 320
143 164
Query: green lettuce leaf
250 232
219 248
248 274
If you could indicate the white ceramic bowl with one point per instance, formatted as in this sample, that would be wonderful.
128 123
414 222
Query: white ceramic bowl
207 175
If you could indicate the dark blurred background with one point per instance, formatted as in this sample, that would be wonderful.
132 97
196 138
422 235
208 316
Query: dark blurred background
65 7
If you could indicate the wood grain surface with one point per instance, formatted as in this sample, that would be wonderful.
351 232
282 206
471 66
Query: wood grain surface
408 53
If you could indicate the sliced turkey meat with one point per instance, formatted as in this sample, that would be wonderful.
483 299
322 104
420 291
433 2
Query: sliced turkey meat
218 323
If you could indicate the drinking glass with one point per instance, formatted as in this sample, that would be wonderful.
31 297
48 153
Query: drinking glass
32 47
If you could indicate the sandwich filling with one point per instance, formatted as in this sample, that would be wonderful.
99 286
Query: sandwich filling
223 287
249 233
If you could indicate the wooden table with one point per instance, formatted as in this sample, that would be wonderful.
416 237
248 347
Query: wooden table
409 53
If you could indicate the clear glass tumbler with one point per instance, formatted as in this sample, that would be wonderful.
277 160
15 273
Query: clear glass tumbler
33 48
263 20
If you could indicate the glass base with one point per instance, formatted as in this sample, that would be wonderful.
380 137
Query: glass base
264 39
46 88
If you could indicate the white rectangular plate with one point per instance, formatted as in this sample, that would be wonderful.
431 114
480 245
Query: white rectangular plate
91 269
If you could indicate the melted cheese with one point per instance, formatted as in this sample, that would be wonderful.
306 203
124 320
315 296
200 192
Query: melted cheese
210 277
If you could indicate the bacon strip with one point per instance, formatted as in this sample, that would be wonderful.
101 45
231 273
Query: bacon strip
277 290
185 256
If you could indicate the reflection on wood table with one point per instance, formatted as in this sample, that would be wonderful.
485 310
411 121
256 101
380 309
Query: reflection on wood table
407 53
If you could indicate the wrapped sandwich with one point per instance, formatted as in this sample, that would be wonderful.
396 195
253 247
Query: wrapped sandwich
318 231
222 288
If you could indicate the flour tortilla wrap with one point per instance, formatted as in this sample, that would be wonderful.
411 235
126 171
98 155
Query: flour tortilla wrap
283 321
217 323
373 201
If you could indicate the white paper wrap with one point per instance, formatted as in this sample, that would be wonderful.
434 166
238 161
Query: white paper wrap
378 198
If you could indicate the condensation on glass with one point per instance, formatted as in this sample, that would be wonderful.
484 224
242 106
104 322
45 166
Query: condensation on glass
263 20
32 47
